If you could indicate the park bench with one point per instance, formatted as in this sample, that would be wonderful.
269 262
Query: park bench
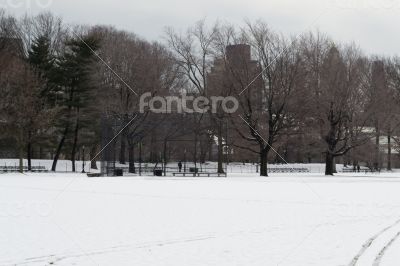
183 174
39 169
210 175
199 174
349 170
94 174
362 170
288 170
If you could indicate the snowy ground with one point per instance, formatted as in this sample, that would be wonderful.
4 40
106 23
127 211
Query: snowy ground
60 219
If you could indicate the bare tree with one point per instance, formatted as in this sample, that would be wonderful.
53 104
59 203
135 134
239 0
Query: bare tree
23 116
194 53
340 103
142 67
392 101
266 89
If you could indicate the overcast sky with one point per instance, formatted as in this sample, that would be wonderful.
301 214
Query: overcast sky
372 24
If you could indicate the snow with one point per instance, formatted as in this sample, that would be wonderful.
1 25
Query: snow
302 219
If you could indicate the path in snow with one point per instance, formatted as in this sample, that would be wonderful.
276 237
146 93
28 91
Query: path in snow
374 248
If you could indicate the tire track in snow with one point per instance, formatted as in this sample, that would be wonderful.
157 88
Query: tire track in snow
379 257
369 242
52 259
56 258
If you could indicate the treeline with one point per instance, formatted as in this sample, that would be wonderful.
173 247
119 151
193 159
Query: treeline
66 88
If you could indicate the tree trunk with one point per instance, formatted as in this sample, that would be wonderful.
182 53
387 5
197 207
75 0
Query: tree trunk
140 157
184 160
220 150
65 133
29 156
75 143
59 147
203 151
210 148
29 153
21 152
377 150
264 162
165 157
195 151
334 166
389 155
61 143
40 153
122 159
131 155
153 148
329 164
93 164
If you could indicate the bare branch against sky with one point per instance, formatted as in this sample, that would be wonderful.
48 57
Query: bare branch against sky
369 23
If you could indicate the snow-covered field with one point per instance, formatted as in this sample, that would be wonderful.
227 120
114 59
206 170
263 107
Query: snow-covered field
60 219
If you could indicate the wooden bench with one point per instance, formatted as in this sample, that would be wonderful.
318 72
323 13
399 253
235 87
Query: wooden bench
203 174
362 170
210 175
349 170
288 170
184 174
39 169
94 174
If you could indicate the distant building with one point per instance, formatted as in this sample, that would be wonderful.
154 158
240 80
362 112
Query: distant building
230 76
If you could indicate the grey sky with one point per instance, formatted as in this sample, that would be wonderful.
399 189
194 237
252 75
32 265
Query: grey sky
372 24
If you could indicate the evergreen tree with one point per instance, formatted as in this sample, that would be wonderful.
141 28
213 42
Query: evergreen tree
43 62
74 78
39 64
